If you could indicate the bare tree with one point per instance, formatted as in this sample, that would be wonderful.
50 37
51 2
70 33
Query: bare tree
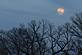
38 31
59 39
41 38
77 30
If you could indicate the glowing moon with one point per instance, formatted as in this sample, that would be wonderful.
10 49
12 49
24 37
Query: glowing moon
60 11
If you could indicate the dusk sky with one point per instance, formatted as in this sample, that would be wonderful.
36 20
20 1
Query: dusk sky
15 12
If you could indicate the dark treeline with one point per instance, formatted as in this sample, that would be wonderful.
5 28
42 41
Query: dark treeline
43 38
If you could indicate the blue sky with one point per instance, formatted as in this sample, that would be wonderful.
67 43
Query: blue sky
14 12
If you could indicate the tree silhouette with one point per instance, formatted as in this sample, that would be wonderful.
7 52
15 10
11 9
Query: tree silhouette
42 38
77 30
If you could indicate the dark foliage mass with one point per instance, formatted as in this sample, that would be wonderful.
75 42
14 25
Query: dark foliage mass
43 38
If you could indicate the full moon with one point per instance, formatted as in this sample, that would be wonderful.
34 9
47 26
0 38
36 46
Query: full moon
60 11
